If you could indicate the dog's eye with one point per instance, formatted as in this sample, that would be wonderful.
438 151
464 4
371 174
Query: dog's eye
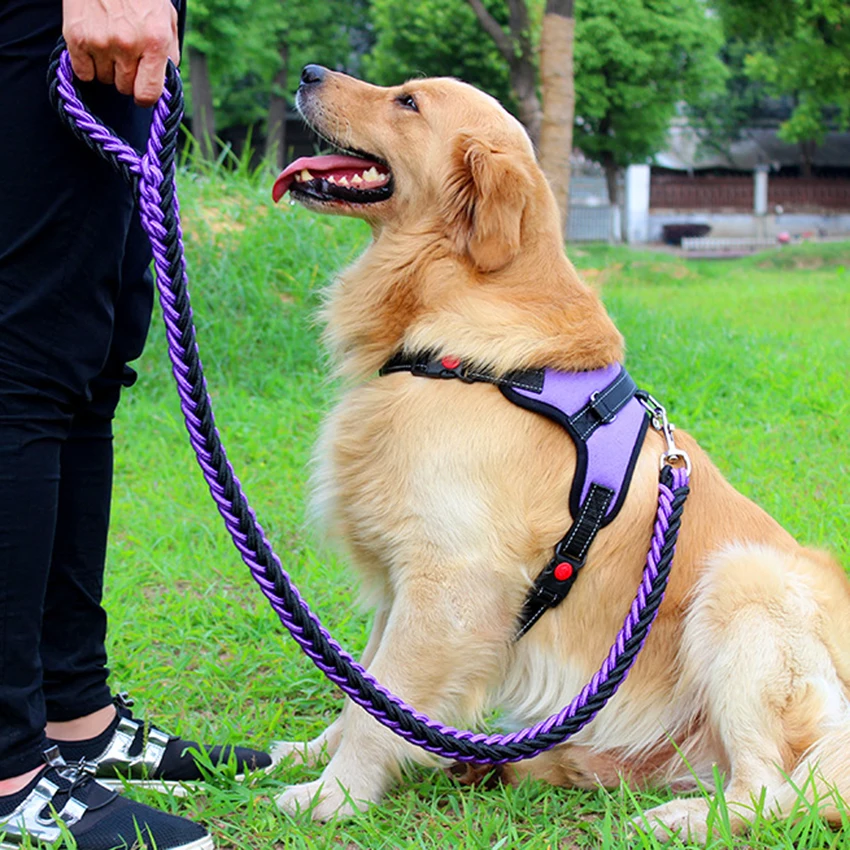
407 101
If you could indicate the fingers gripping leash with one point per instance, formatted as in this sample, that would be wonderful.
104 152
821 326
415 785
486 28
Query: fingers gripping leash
152 177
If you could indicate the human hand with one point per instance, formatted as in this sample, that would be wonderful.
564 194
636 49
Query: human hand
125 42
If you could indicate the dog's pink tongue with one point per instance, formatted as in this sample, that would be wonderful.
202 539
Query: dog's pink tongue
316 165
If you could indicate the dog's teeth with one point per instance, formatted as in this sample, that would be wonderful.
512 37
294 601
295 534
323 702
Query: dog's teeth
305 175
356 179
332 179
375 176
343 181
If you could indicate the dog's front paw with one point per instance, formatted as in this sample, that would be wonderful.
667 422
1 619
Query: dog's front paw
321 800
686 818
296 752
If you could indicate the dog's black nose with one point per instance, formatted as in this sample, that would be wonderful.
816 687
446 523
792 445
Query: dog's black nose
312 75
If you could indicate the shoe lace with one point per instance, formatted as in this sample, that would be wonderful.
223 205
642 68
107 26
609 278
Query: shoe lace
79 774
84 772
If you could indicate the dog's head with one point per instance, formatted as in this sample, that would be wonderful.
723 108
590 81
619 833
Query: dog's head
432 153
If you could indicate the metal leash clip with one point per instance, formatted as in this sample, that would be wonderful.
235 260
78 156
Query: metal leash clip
658 418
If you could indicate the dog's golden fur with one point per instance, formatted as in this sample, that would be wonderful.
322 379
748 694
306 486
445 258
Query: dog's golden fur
450 500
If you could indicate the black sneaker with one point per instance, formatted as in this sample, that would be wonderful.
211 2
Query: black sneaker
66 799
130 750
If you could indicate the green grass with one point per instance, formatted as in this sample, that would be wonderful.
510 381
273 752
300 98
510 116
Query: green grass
750 356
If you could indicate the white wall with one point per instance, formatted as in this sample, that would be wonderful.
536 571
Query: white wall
637 203
745 224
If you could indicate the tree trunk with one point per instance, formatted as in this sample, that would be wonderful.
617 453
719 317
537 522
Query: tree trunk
517 51
807 152
276 133
612 172
556 72
524 84
203 116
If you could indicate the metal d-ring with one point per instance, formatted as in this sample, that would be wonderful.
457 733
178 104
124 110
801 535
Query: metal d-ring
671 458
658 417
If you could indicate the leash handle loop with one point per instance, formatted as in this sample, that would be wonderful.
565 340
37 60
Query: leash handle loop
90 130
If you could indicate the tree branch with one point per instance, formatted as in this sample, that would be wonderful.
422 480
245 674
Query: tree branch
491 26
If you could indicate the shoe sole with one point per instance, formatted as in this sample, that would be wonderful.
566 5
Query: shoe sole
175 787
205 843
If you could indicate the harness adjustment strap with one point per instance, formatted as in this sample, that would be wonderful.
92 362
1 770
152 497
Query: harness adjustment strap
604 405
428 366
555 582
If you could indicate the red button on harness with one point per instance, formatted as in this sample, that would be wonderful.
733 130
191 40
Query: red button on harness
450 362
563 571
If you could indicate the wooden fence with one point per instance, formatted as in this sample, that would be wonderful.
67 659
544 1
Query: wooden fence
802 193
793 194
681 192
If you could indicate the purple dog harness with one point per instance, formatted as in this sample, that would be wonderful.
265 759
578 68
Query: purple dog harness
602 413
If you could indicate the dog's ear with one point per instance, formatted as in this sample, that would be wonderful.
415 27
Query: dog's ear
487 191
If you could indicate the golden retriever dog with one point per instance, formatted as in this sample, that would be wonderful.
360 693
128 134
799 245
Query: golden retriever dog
449 499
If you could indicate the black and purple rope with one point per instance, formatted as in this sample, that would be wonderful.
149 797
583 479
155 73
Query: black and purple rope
152 176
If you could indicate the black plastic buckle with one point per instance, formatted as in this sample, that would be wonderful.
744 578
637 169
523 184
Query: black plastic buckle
447 367
556 581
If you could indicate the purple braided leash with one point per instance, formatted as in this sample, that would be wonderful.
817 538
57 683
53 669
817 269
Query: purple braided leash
152 175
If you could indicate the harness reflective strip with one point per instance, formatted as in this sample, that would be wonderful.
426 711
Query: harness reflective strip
549 590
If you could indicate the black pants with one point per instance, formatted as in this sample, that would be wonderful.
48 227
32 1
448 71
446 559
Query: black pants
75 304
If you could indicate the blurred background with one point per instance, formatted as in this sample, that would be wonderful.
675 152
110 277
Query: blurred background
653 119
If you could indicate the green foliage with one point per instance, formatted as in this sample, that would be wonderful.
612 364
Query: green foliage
635 60
436 38
233 36
245 41
723 114
805 52
330 33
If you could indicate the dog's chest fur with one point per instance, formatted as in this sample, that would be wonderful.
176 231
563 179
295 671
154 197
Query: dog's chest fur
412 483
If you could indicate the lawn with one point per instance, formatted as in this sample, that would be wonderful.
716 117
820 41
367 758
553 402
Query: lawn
750 356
